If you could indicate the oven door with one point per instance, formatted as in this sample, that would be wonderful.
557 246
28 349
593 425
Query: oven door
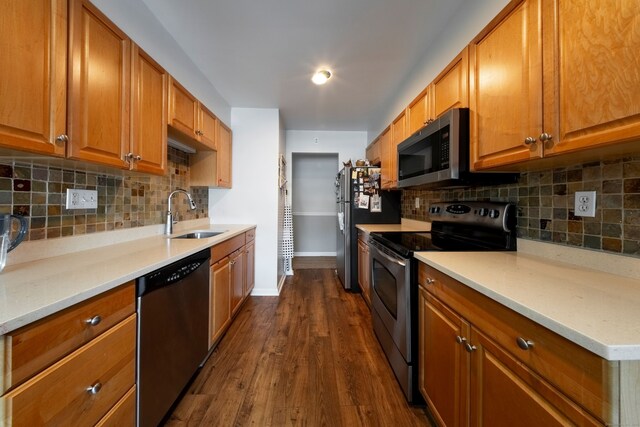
390 275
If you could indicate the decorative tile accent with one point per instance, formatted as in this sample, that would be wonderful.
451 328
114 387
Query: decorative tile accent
545 204
124 201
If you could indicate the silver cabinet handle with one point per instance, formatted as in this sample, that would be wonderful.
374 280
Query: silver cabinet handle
545 137
430 281
62 138
529 140
94 321
470 348
524 344
95 389
460 339
137 158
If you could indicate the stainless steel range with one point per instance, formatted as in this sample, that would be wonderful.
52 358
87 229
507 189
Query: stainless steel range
456 226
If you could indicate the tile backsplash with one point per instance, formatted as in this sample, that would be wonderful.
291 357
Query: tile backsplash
545 202
124 200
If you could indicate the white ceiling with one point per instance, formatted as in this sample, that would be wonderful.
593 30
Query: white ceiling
261 53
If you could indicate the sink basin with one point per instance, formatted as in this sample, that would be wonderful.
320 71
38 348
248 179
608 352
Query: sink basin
198 235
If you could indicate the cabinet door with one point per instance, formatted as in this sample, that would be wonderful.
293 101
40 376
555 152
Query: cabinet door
506 88
207 128
418 111
398 134
149 113
224 155
592 82
183 109
250 276
443 362
506 393
33 77
99 87
237 263
385 159
451 88
219 299
373 152
361 268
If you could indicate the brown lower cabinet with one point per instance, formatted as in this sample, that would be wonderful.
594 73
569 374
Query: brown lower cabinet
482 364
232 264
364 274
75 367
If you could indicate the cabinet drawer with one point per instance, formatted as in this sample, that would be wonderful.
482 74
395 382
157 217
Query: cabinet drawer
223 249
59 395
250 235
32 348
578 373
123 413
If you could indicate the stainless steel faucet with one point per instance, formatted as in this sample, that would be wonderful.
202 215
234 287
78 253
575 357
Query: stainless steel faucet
168 226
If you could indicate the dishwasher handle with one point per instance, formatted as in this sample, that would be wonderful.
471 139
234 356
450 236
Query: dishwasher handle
172 273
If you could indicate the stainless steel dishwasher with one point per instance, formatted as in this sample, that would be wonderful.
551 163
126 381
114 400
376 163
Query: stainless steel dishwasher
173 318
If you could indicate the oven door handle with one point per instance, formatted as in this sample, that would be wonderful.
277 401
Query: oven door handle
393 260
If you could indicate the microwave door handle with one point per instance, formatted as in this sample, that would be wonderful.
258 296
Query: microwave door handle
393 260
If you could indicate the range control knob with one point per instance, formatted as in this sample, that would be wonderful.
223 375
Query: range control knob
494 213
434 209
483 211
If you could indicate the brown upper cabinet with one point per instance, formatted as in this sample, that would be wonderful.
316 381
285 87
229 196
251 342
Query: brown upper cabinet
93 96
398 134
33 82
536 93
210 168
148 114
189 116
451 88
419 111
373 152
386 175
99 87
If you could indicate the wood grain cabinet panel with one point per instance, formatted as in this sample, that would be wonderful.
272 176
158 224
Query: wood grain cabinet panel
250 266
224 156
451 88
591 73
419 111
183 109
123 413
386 171
364 275
398 134
208 128
219 299
237 264
59 395
506 88
33 75
372 152
34 347
99 87
148 114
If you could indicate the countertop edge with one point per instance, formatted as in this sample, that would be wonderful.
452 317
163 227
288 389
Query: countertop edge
607 351
93 290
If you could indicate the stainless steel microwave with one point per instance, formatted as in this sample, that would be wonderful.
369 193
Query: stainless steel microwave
438 156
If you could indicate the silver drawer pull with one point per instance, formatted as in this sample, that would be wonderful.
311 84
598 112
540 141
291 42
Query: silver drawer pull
95 389
460 339
94 321
470 348
430 281
524 344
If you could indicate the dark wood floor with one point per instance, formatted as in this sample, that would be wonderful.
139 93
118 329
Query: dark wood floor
308 357
314 262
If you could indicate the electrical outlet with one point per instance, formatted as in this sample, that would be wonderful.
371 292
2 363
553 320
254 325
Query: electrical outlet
417 202
585 203
81 199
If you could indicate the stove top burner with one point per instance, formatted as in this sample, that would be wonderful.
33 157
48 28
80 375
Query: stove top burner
459 226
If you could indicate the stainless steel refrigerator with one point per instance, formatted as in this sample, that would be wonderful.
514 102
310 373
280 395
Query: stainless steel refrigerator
360 200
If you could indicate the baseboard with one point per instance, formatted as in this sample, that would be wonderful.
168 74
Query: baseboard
305 254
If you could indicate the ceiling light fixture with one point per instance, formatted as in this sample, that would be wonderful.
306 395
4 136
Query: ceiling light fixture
321 77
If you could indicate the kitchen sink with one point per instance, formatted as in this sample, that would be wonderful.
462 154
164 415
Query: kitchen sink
198 235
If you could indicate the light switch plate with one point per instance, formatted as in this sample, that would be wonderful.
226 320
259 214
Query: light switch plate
81 199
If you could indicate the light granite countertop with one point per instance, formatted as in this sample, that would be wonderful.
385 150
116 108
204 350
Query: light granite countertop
590 306
32 290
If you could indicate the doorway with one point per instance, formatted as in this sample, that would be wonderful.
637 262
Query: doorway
313 204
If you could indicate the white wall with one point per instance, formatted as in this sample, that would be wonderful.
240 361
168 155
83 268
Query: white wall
254 196
466 23
134 18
